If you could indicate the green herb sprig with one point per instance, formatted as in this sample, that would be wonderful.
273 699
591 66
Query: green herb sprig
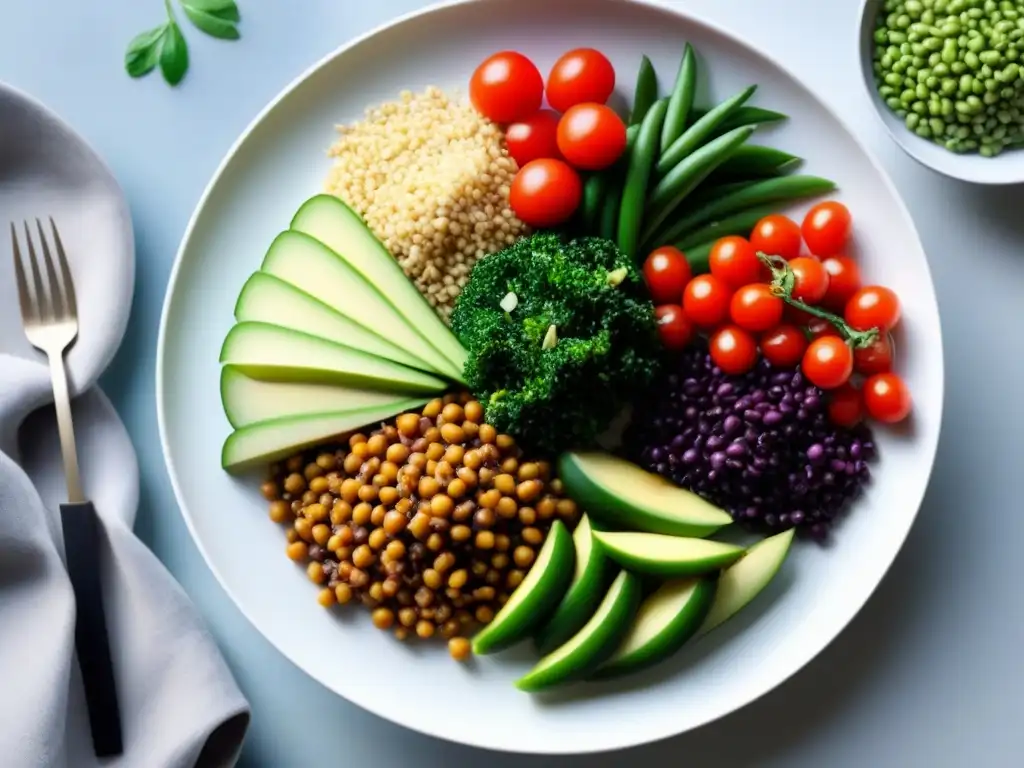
165 45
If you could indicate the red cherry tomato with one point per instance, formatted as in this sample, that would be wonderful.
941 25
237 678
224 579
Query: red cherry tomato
674 327
845 405
887 398
754 308
819 327
545 193
811 279
777 235
734 261
828 362
843 281
873 306
580 76
826 228
706 301
506 87
876 358
533 138
591 136
784 346
667 272
733 350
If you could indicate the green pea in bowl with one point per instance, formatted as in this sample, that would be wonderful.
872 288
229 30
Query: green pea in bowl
947 79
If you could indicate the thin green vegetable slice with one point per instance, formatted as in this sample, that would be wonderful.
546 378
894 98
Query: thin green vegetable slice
687 175
646 91
641 160
781 189
737 224
682 98
694 136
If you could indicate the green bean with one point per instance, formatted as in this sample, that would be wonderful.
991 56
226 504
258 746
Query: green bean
638 174
594 190
745 115
737 224
646 91
694 136
698 256
681 180
709 192
609 224
681 100
757 160
776 190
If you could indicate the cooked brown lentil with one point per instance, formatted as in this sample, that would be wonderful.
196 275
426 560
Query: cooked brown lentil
418 520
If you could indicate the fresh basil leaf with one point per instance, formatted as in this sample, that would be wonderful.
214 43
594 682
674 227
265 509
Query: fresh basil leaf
144 52
173 55
227 10
211 25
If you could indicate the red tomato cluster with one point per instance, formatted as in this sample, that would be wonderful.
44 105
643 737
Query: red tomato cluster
551 148
736 307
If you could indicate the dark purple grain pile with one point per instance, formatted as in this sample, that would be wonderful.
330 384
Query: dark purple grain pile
758 445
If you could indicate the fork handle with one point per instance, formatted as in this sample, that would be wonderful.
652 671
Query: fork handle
82 550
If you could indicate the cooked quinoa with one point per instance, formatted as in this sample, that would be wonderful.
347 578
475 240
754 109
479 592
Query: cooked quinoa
431 177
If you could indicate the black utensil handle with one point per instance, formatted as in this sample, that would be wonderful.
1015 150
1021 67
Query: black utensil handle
82 549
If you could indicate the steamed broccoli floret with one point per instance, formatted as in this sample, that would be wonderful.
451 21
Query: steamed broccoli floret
556 389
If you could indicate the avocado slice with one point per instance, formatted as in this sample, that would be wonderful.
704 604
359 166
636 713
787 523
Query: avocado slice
268 299
247 401
267 441
667 618
333 223
535 598
667 556
743 580
594 643
312 267
594 571
620 494
272 353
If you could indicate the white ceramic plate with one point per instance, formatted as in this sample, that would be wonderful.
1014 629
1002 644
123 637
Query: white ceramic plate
280 161
46 169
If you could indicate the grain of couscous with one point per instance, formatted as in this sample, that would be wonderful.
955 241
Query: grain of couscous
430 176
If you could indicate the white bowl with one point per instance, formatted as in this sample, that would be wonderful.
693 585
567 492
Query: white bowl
279 161
1006 168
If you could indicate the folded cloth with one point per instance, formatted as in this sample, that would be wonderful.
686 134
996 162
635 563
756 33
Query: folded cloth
180 706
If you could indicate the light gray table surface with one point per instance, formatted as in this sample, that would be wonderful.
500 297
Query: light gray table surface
931 673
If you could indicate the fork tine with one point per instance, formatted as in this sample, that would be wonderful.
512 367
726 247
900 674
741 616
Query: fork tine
65 272
56 293
28 309
42 303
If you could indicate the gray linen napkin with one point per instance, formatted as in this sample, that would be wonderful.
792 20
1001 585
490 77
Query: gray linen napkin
180 706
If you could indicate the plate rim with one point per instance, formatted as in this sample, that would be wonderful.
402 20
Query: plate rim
695 18
80 383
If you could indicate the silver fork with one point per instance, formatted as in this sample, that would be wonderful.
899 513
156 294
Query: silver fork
49 312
